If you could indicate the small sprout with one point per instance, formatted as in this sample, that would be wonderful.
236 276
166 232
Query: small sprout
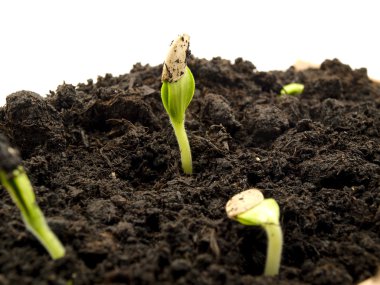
292 89
250 208
16 182
177 91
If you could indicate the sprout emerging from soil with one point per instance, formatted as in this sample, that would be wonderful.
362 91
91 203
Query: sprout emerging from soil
292 89
16 182
177 92
250 208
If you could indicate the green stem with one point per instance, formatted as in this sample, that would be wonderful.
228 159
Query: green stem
274 250
21 191
38 226
184 146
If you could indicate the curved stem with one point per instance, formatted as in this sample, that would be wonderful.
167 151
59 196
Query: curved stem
21 191
184 146
38 226
274 249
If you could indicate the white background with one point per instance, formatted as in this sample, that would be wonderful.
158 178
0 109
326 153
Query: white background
43 43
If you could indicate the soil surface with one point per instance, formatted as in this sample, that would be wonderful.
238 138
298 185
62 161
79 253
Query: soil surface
104 163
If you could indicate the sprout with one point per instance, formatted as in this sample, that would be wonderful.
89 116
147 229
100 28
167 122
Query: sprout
16 182
292 89
177 92
250 208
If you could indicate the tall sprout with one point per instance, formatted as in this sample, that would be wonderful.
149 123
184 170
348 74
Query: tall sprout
177 91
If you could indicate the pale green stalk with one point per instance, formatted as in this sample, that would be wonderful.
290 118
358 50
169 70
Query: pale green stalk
18 185
274 249
184 146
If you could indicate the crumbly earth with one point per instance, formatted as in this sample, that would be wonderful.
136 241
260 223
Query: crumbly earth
104 163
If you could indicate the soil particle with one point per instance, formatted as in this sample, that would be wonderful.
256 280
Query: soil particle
264 123
103 160
32 122
217 111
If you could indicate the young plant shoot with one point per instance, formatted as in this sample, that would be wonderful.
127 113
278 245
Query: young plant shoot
177 92
16 182
250 208
292 89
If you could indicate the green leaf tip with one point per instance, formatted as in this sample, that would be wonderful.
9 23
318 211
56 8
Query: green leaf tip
250 208
176 96
292 89
265 213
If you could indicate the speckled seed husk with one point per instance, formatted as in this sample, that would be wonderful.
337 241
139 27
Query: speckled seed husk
176 60
243 201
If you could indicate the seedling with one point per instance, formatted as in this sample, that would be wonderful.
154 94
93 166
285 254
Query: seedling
292 89
16 182
177 92
250 208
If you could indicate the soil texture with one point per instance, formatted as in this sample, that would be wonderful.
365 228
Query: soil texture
104 163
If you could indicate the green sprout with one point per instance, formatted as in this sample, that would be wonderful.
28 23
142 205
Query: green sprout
16 182
250 208
177 91
292 89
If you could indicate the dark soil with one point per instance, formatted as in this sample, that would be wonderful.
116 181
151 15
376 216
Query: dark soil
104 163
